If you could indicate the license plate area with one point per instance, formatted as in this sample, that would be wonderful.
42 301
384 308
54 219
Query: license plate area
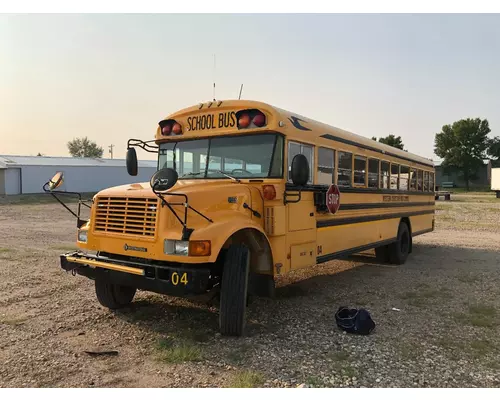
176 277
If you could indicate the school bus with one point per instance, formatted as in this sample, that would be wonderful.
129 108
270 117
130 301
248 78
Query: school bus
246 192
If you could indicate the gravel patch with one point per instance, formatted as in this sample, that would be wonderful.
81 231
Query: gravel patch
446 333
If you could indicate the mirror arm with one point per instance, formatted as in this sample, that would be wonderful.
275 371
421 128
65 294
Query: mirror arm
143 145
79 222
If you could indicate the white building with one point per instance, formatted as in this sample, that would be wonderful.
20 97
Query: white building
25 174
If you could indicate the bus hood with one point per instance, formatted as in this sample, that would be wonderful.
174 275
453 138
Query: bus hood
216 199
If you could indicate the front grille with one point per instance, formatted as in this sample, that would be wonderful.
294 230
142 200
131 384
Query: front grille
127 215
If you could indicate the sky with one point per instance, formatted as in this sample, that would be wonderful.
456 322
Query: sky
112 77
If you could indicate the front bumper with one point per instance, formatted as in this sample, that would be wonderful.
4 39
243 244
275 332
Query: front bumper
173 279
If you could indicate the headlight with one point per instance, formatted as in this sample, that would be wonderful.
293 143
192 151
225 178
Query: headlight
184 247
177 247
82 236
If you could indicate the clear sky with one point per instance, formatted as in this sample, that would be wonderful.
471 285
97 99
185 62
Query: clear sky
113 77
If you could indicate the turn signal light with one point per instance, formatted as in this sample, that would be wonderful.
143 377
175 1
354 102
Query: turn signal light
269 192
199 248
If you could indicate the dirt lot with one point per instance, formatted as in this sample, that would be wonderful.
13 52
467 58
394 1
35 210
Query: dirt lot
447 332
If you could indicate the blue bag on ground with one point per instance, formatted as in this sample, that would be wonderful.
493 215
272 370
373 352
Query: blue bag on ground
353 320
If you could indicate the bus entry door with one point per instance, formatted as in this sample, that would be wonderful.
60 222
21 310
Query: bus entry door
301 229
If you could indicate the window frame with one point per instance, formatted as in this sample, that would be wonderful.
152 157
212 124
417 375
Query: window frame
337 168
378 173
358 185
390 176
333 165
401 166
311 163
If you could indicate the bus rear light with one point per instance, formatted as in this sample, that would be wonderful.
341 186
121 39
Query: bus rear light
177 129
259 120
269 192
244 121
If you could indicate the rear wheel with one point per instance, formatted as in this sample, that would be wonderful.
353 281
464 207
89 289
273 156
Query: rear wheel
234 288
113 296
399 250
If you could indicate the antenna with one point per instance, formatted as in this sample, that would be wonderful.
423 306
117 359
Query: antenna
241 89
214 79
111 150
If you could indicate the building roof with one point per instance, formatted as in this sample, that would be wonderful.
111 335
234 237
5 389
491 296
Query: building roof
7 161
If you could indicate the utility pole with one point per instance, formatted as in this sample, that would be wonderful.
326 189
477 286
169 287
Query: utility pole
111 150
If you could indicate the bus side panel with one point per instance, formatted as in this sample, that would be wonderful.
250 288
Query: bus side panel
334 239
421 223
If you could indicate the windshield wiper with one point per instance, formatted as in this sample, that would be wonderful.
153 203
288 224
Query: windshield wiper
192 174
229 176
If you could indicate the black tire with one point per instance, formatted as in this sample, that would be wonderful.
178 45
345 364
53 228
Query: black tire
399 250
233 292
382 254
113 296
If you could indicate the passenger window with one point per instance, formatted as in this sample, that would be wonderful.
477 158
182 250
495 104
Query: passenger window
413 183
299 148
404 177
431 182
360 170
326 159
426 181
394 176
344 169
419 181
372 173
384 168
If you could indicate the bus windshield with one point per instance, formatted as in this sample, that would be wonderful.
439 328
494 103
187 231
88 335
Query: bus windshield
250 156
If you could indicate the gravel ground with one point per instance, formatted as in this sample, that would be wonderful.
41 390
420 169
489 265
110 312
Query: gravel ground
445 334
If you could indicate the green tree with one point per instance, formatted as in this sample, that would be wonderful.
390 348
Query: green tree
494 148
463 145
391 140
83 147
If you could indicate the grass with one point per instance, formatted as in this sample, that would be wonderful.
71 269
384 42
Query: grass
468 278
409 351
247 379
173 352
478 315
349 371
341 355
314 381
4 250
421 298
238 355
481 348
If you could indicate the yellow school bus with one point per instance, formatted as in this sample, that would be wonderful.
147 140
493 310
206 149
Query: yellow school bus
246 192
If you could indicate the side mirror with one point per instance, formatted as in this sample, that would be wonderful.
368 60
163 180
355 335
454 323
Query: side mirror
300 170
163 179
131 161
56 181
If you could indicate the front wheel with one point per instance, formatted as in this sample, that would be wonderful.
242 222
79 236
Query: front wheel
234 289
399 250
113 296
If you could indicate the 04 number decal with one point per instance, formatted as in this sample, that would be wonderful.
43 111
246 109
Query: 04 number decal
176 278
